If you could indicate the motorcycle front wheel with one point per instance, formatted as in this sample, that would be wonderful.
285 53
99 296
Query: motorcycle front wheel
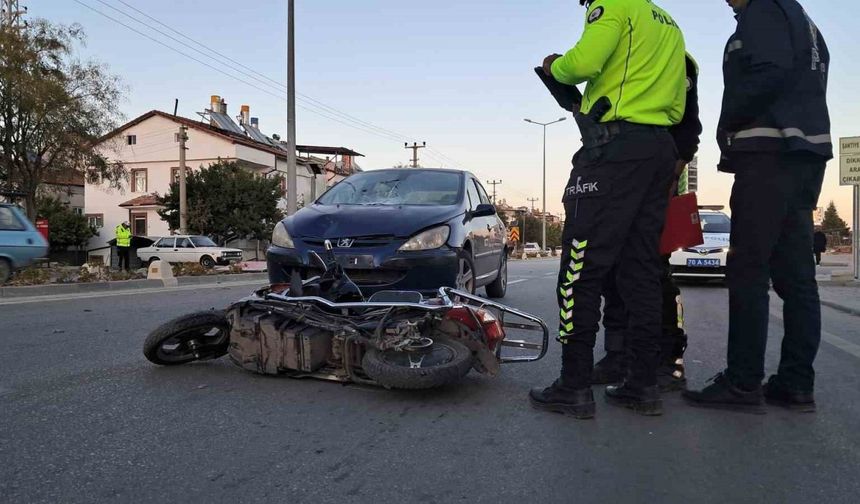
196 336
445 361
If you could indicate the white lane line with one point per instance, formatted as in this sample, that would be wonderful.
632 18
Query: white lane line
834 340
130 292
521 280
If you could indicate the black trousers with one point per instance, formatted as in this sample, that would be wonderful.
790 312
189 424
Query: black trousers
673 340
123 253
772 201
615 205
817 257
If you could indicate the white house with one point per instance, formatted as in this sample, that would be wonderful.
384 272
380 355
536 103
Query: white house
148 147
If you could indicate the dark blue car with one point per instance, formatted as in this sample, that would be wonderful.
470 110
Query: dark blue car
399 229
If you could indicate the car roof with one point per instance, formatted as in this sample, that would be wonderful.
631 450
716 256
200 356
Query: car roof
444 170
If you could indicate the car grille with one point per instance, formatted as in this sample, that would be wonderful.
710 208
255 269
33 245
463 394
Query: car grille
707 251
363 277
231 255
358 241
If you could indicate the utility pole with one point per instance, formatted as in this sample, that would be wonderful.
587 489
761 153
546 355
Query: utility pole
292 194
11 13
414 148
183 194
543 215
532 201
494 183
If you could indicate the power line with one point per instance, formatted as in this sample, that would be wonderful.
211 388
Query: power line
361 125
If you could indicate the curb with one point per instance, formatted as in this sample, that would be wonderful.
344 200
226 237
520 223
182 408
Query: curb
124 285
841 308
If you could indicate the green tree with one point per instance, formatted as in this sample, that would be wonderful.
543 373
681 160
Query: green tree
832 223
53 109
226 202
66 228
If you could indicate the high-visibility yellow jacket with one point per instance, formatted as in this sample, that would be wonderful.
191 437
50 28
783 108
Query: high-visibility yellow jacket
632 52
123 236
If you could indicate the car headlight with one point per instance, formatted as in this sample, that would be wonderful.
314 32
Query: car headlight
427 240
724 249
281 238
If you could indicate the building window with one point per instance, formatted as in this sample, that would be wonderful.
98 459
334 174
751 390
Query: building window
176 137
138 224
174 174
96 221
78 210
138 180
131 139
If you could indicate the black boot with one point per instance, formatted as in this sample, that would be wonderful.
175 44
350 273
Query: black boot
722 394
671 375
778 394
610 369
642 400
557 398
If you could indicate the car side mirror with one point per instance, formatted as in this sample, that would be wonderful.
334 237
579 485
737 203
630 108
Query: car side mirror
484 210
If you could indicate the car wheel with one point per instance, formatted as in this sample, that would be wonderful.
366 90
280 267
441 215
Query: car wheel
499 286
207 262
5 271
466 273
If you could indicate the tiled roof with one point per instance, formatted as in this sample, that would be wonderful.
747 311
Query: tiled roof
141 201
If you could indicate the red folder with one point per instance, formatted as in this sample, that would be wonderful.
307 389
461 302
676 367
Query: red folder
682 228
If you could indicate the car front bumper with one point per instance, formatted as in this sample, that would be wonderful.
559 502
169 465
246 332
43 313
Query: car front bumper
695 265
372 269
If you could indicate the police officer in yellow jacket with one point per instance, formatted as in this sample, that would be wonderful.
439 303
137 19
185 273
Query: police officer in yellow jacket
631 54
123 244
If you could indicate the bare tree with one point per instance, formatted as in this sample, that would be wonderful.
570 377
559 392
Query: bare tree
53 110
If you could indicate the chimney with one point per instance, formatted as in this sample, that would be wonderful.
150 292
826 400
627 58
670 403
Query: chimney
255 122
244 118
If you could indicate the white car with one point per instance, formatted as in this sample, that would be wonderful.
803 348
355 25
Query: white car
531 250
187 249
709 259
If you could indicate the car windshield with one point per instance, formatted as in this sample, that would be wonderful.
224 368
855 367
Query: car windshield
394 188
715 223
202 241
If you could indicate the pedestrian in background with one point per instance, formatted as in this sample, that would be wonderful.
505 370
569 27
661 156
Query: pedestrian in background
123 245
774 135
819 245
631 54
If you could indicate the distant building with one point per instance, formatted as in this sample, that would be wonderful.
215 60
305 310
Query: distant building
148 147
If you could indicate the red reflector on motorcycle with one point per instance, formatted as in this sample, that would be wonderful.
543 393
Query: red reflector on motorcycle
471 316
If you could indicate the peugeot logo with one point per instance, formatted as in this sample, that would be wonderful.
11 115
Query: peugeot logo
345 243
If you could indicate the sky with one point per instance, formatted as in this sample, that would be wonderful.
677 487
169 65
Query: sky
456 74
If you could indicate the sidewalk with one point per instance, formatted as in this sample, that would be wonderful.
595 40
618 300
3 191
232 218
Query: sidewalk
845 299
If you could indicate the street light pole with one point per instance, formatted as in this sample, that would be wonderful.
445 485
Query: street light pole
543 212
292 194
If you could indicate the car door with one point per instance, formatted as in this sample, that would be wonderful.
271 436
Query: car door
479 230
16 241
185 251
496 230
164 249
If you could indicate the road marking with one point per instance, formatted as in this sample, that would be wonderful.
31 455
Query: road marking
521 280
156 290
832 339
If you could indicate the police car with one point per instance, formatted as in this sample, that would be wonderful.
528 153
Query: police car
709 259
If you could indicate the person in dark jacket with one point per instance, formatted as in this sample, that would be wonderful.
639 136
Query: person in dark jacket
673 340
774 135
819 245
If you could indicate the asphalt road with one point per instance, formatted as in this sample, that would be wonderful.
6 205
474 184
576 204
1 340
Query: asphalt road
85 418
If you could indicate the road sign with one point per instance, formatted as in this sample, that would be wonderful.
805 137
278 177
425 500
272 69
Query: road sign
514 234
849 161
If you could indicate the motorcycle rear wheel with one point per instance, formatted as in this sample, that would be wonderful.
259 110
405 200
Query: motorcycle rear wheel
446 361
197 336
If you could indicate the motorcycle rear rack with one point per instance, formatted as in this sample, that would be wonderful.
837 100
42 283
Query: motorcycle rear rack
447 296
537 324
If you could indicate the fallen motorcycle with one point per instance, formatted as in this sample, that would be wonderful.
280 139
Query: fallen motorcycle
324 328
